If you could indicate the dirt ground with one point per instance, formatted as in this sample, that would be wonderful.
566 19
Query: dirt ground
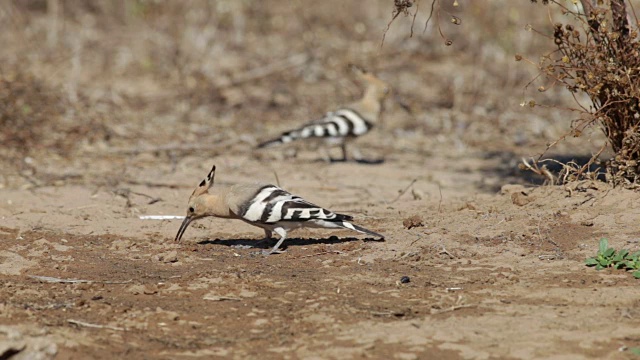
116 110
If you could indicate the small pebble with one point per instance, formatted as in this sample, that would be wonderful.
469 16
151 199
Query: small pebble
405 279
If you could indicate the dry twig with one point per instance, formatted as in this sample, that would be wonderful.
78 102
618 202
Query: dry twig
452 308
322 253
221 298
172 147
51 279
94 326
403 191
270 69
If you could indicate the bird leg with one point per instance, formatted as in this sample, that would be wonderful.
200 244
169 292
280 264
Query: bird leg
267 238
343 147
357 157
283 235
326 154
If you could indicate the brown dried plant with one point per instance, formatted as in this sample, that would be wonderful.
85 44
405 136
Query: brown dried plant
599 56
402 7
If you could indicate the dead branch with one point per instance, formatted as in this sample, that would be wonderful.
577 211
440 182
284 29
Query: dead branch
269 69
172 147
620 22
543 171
154 184
403 191
399 7
51 279
446 252
94 326
594 24
125 193
322 253
452 308
221 298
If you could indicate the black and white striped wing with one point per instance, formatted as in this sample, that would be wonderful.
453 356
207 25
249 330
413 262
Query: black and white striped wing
272 204
341 123
337 124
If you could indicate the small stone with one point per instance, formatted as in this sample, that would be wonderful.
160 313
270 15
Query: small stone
405 280
149 290
470 205
521 198
417 194
168 257
412 222
511 188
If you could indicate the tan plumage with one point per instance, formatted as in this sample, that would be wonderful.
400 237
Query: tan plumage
345 123
266 206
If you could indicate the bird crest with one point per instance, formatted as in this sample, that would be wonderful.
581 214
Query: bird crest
205 184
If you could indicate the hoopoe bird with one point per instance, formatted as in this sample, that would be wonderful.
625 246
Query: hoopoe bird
345 123
266 206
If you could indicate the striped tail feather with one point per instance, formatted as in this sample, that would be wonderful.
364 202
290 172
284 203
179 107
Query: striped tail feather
342 217
344 221
270 143
360 229
286 137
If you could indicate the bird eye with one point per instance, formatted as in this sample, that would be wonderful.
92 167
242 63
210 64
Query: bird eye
191 209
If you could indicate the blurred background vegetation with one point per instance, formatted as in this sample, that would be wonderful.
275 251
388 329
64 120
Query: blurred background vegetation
86 85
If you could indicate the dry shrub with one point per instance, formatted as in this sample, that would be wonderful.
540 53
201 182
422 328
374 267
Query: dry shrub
598 56
25 106
35 117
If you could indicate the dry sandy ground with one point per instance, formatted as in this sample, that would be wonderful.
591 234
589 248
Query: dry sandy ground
492 275
107 118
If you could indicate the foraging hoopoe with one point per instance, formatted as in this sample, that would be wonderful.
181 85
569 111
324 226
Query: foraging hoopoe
346 123
266 206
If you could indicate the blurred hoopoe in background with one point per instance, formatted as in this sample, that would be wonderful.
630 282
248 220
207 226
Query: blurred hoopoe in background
345 123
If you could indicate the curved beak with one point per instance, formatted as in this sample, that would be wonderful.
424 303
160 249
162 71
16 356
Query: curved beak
183 227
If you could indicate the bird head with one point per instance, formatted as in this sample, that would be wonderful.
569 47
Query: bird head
376 87
197 207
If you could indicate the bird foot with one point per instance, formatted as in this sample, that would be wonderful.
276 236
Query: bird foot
273 251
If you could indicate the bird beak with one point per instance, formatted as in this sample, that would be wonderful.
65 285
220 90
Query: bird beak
183 227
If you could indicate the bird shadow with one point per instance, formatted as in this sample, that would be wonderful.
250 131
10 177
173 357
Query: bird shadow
370 161
355 161
262 244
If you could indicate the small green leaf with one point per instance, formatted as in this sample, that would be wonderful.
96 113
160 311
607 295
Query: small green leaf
609 253
591 262
620 265
599 267
621 255
636 274
634 350
604 262
604 244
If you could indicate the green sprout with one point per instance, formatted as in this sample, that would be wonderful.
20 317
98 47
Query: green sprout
609 257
